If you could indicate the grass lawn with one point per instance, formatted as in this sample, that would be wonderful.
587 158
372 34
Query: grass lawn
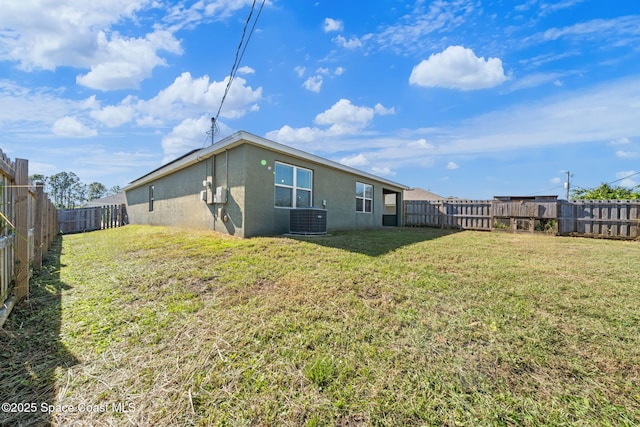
152 326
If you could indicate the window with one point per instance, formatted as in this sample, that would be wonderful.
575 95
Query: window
151 198
364 197
293 186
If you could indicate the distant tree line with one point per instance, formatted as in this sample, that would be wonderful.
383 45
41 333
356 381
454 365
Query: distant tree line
607 192
67 191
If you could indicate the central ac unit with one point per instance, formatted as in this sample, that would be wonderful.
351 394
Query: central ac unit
308 221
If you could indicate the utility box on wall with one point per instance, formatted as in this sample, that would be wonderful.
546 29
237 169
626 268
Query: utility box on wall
207 194
220 195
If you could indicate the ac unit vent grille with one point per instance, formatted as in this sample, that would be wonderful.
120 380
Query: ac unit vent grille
308 221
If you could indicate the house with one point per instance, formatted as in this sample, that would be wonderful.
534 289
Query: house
245 186
420 194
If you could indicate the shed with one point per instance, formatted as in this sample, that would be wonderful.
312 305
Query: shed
246 185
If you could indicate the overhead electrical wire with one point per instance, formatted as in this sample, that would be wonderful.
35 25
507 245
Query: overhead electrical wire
242 47
623 178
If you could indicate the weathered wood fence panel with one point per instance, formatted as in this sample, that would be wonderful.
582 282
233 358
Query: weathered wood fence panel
26 231
616 219
92 218
600 218
463 214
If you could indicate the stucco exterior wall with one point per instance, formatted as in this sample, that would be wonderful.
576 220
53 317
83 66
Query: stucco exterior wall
338 188
177 200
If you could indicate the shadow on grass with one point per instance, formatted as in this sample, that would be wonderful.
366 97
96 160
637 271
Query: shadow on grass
376 242
30 349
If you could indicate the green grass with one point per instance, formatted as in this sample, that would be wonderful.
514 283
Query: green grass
391 327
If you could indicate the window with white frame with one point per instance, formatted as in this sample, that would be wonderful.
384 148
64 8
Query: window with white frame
293 186
364 197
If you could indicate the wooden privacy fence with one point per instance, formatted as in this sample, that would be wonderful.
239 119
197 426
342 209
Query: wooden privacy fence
92 218
28 226
600 218
462 214
618 219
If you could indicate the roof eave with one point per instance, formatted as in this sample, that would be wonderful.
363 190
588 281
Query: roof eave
246 137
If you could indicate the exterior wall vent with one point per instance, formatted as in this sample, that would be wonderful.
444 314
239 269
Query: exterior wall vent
308 221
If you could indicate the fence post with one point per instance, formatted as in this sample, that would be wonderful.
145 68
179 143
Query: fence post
38 227
21 239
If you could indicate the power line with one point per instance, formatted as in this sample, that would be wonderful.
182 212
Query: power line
623 178
242 47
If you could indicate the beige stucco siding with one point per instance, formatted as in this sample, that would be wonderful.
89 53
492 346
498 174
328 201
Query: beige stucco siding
176 200
338 188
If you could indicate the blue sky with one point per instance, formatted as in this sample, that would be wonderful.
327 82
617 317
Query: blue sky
466 98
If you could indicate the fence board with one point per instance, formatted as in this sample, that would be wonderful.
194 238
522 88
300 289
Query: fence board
463 214
600 218
91 219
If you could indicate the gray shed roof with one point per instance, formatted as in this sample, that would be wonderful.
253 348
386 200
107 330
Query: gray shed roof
240 138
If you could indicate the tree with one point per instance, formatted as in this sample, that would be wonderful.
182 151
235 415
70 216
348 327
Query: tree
96 190
68 192
607 192
37 177
114 190
66 189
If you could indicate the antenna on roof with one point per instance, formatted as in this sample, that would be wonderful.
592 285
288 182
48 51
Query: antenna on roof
214 129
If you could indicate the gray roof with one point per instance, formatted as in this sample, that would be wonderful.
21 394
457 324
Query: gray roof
114 199
240 138
420 194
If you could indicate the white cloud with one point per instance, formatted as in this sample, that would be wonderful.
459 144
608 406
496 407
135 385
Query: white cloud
148 121
181 17
188 135
114 116
425 27
356 160
382 171
458 68
621 141
352 43
421 144
187 95
452 166
299 70
628 178
246 70
313 83
288 135
538 79
382 111
332 25
71 127
124 62
627 154
624 26
339 71
79 34
343 118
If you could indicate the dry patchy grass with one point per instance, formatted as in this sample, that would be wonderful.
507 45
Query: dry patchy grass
387 327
